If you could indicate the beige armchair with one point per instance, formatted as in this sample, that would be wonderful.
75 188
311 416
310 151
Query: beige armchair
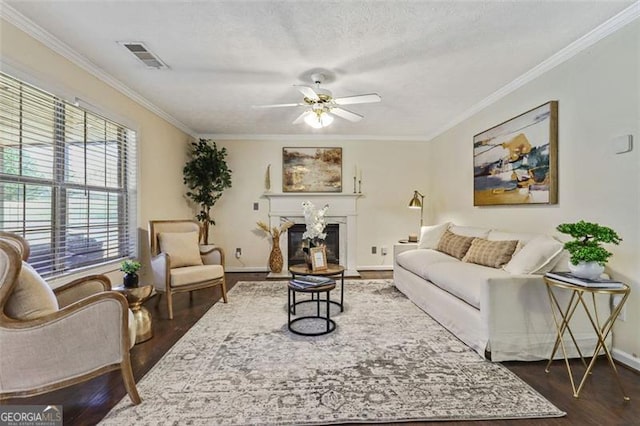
180 263
52 339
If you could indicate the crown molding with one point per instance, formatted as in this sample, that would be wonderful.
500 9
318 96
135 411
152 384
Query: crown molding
17 19
307 137
607 28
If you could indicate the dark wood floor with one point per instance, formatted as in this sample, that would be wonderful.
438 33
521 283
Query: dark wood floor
600 402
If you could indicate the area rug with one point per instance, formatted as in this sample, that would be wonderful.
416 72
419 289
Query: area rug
387 361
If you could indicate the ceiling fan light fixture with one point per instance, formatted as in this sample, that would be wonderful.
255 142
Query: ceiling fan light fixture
318 119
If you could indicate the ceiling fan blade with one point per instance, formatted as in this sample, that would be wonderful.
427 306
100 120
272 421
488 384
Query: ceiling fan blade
276 105
308 92
301 117
347 115
358 99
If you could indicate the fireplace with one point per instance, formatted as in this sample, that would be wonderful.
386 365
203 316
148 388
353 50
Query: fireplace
341 217
294 243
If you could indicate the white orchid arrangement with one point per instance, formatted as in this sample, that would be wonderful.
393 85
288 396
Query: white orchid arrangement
315 221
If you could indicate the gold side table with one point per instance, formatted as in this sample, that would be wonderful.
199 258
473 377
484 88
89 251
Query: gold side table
136 296
562 317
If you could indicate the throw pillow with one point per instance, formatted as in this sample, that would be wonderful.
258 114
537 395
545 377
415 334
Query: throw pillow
182 248
31 297
454 245
430 235
538 256
490 253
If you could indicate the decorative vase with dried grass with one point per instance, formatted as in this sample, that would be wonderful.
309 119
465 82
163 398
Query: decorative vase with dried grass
276 262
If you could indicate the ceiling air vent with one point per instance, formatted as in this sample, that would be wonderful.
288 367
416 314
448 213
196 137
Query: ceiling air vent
141 52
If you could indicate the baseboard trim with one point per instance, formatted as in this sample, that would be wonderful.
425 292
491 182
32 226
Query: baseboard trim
375 268
626 359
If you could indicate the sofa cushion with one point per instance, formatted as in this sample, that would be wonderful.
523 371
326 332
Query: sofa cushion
463 280
419 261
538 256
469 231
493 254
31 297
195 274
522 237
182 248
454 245
430 235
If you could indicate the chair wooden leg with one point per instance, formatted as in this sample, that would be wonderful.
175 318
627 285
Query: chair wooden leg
224 290
129 381
170 304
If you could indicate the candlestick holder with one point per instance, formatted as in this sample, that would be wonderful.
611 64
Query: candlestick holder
360 187
354 184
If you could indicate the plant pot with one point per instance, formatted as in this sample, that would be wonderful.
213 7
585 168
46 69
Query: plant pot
589 270
130 280
275 258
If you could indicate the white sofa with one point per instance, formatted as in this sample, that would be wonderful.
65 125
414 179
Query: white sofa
502 313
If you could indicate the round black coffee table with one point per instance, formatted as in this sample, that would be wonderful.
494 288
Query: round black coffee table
314 291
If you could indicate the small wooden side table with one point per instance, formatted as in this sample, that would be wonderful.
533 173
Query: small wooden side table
331 271
136 296
562 317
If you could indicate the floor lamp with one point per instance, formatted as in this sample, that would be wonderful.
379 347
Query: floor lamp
417 203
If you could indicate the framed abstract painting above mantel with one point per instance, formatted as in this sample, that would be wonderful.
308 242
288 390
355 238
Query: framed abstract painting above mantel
312 169
516 162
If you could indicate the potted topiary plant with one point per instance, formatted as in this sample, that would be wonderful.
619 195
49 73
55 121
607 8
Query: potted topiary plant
130 269
206 175
588 257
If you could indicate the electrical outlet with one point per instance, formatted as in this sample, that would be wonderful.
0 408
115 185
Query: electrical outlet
374 249
256 206
238 253
383 250
615 301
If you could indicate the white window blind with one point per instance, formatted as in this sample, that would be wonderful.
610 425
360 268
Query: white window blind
67 180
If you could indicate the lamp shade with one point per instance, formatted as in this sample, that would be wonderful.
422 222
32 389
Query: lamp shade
318 119
415 202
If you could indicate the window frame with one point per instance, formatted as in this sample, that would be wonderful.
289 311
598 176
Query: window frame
123 193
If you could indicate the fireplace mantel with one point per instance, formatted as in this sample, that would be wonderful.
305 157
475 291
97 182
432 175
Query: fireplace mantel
342 210
290 204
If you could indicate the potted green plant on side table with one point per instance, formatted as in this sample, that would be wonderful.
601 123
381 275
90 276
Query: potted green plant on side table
130 269
588 257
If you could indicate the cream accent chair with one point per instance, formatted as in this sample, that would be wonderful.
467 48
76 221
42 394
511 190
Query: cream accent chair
78 332
185 265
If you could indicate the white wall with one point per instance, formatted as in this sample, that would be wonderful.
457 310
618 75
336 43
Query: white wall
598 92
391 170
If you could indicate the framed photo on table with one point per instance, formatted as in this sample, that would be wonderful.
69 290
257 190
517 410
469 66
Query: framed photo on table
318 259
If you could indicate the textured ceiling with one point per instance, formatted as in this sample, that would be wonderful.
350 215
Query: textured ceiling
429 60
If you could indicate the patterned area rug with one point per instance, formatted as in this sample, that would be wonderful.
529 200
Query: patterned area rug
387 361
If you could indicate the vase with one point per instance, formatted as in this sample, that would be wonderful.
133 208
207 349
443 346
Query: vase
130 280
589 270
275 258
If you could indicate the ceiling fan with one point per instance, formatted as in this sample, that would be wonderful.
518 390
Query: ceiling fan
321 106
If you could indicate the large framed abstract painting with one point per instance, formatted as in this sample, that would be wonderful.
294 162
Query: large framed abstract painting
311 169
516 162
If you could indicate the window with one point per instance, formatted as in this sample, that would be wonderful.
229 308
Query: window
67 180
